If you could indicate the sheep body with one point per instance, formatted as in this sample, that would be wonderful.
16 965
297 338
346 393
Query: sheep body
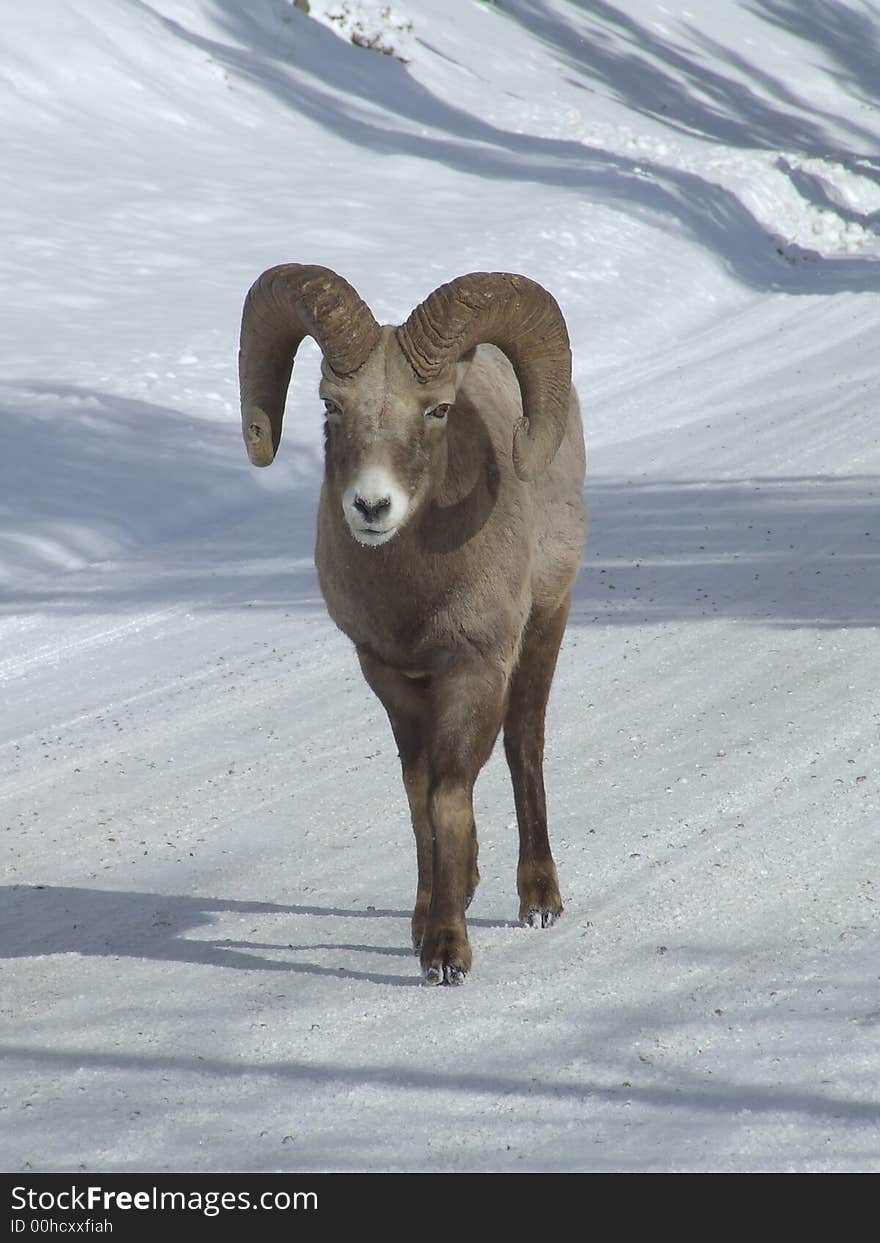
450 532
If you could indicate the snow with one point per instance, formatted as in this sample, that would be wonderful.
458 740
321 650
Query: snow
208 867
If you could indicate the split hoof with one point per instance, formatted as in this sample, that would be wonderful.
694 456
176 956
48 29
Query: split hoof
451 973
540 919
540 902
445 956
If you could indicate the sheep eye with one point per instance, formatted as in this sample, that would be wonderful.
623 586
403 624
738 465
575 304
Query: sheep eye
439 412
331 407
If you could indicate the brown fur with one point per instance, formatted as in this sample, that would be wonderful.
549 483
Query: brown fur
457 620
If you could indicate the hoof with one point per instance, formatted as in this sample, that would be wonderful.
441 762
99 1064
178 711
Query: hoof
540 903
446 955
451 973
539 919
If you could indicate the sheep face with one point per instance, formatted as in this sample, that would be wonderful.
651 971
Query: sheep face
385 436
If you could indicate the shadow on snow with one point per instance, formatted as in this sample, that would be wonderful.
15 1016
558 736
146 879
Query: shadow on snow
43 919
791 551
374 103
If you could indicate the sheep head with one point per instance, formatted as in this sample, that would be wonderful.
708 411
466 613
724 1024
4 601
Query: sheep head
384 438
387 391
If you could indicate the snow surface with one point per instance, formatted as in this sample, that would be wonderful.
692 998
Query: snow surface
208 867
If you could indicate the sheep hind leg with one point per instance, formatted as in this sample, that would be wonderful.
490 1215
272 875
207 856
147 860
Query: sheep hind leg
540 903
475 871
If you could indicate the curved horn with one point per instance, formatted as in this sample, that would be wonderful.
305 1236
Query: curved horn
285 304
524 321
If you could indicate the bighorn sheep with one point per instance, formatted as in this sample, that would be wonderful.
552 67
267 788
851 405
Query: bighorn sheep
450 530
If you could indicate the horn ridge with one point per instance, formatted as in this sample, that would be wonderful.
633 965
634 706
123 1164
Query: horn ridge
285 304
524 321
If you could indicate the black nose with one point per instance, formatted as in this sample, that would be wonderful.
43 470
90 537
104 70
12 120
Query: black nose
372 509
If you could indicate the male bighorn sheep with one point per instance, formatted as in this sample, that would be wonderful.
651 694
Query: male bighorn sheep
450 530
